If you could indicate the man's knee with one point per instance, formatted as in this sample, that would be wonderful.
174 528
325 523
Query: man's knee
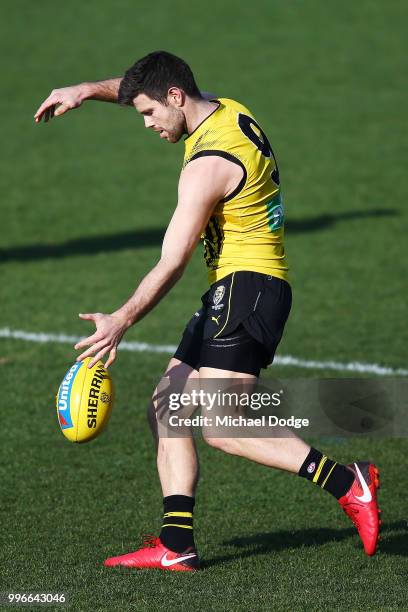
228 445
174 380
151 415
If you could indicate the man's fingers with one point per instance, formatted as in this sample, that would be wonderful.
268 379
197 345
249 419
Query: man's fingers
49 109
49 113
88 341
111 358
87 316
93 349
63 108
95 337
41 109
102 340
97 357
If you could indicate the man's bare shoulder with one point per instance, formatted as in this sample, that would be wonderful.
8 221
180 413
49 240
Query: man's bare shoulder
219 175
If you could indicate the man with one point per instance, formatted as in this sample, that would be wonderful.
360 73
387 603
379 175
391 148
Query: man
229 188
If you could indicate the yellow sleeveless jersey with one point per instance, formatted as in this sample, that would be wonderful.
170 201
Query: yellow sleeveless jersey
245 231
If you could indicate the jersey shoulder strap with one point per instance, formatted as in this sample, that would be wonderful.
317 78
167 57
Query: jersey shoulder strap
233 105
219 133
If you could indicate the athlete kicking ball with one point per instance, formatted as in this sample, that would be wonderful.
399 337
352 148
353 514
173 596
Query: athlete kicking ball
229 188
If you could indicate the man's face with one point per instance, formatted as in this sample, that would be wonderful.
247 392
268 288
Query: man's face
166 120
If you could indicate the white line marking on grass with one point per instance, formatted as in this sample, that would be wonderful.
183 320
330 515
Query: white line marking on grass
143 347
354 366
136 347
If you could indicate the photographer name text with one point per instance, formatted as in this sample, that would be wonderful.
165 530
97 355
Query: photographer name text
239 421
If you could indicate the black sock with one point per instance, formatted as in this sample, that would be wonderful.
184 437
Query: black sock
177 528
329 475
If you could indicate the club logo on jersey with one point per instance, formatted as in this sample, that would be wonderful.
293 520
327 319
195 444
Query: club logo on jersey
311 467
218 295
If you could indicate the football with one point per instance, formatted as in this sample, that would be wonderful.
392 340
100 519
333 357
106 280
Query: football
84 401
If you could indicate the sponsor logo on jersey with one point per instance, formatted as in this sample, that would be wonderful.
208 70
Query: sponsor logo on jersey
276 217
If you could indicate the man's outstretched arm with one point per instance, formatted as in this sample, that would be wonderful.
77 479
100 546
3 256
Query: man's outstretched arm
67 98
202 184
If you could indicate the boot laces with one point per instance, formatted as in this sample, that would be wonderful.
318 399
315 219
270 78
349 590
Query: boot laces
149 540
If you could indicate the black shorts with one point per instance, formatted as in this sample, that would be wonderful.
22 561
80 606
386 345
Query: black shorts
239 325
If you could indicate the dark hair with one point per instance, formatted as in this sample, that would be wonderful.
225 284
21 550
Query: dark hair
153 75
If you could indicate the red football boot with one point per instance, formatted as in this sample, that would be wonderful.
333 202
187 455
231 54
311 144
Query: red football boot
360 503
155 555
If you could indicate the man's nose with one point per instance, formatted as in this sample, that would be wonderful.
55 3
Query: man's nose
148 121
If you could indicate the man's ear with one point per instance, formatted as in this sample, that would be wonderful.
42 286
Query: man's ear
176 97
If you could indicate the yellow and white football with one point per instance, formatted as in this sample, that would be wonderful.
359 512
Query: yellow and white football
84 401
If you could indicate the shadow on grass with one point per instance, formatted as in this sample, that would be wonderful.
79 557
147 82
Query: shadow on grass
275 541
140 239
392 543
85 246
395 539
313 224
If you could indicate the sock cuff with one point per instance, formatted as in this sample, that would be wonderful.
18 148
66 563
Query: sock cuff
310 463
181 503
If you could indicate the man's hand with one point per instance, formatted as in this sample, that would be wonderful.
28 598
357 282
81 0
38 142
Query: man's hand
72 97
67 98
109 332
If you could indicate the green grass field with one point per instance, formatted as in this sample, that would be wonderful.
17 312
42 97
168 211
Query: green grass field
85 202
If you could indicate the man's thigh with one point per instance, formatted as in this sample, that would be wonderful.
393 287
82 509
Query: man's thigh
225 392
